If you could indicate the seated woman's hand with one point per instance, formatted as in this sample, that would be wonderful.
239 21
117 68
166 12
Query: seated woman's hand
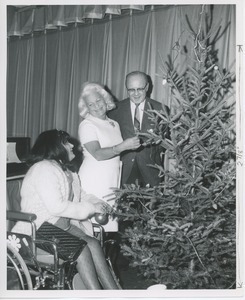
102 207
101 216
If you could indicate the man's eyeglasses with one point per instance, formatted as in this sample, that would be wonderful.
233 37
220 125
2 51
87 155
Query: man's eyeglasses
139 90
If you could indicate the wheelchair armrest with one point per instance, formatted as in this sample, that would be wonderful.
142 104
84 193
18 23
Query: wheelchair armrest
20 216
25 217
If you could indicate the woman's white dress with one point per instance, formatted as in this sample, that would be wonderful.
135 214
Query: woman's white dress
98 177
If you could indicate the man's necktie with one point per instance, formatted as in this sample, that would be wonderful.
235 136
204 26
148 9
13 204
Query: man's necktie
137 118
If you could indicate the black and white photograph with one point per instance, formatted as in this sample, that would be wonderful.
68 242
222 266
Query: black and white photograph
122 166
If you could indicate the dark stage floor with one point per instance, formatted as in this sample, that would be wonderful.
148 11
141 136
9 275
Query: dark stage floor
128 277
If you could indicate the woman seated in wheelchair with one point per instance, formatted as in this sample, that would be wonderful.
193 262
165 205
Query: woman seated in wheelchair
53 192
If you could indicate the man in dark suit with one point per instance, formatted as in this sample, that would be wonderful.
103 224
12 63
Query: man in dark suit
132 118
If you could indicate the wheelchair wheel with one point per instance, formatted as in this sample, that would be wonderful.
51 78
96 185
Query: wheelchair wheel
18 276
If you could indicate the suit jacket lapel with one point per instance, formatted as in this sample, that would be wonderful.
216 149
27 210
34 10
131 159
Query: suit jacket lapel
128 115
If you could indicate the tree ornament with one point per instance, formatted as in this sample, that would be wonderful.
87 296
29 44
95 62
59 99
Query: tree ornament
102 219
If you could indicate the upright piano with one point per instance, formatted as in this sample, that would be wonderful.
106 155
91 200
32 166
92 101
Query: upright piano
18 149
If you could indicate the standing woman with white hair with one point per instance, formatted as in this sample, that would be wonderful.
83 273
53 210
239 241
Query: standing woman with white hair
102 144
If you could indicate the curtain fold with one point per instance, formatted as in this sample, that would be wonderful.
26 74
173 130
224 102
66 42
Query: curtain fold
45 71
73 82
36 18
106 69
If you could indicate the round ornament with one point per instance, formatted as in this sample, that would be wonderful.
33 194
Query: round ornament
102 219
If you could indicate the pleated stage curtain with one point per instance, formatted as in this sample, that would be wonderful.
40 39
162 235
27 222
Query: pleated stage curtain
52 50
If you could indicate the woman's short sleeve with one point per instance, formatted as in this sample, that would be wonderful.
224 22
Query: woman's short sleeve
87 132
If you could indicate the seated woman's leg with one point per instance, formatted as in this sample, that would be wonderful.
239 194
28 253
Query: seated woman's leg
87 271
98 258
100 263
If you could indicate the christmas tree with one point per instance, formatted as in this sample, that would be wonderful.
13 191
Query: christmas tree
184 230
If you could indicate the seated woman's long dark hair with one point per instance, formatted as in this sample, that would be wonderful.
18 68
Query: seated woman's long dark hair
50 145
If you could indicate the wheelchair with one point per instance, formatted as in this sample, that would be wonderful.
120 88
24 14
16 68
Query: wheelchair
31 268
